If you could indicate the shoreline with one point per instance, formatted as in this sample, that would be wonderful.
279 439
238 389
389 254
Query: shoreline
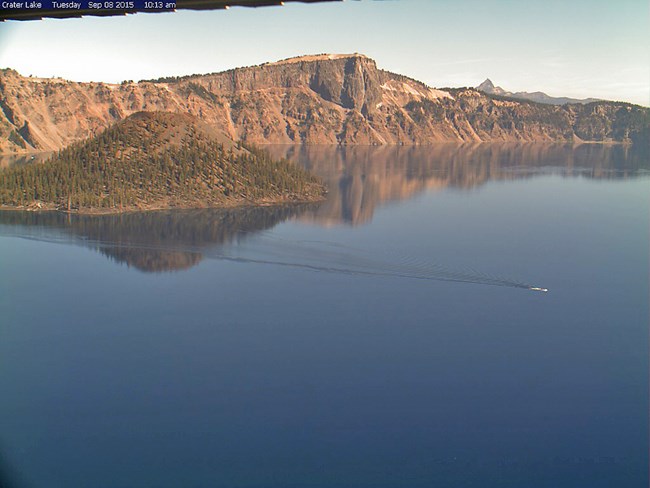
432 143
153 208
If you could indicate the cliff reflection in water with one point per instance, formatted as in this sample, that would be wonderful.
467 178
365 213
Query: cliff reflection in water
360 178
149 241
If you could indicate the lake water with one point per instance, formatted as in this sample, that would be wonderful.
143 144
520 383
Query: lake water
385 338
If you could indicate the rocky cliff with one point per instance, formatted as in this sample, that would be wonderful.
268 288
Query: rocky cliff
340 99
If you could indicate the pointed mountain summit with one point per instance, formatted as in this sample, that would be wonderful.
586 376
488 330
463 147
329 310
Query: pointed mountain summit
540 97
487 86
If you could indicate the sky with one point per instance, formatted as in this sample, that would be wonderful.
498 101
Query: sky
578 48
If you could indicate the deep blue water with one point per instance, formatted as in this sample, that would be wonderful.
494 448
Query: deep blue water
167 350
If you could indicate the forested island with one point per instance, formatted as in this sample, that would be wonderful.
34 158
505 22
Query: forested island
156 160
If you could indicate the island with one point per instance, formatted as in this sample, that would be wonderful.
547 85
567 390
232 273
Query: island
156 160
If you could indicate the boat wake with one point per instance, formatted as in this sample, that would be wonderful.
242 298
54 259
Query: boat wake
331 257
266 248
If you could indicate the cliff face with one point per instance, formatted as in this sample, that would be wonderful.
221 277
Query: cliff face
321 99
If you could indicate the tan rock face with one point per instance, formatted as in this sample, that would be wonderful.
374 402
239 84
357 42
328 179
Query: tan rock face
319 99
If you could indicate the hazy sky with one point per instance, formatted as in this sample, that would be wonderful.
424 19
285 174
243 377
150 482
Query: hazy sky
580 48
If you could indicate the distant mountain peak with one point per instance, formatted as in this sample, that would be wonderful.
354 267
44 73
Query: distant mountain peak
486 86
540 97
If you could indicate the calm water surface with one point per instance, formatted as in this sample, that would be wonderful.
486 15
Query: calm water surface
325 345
